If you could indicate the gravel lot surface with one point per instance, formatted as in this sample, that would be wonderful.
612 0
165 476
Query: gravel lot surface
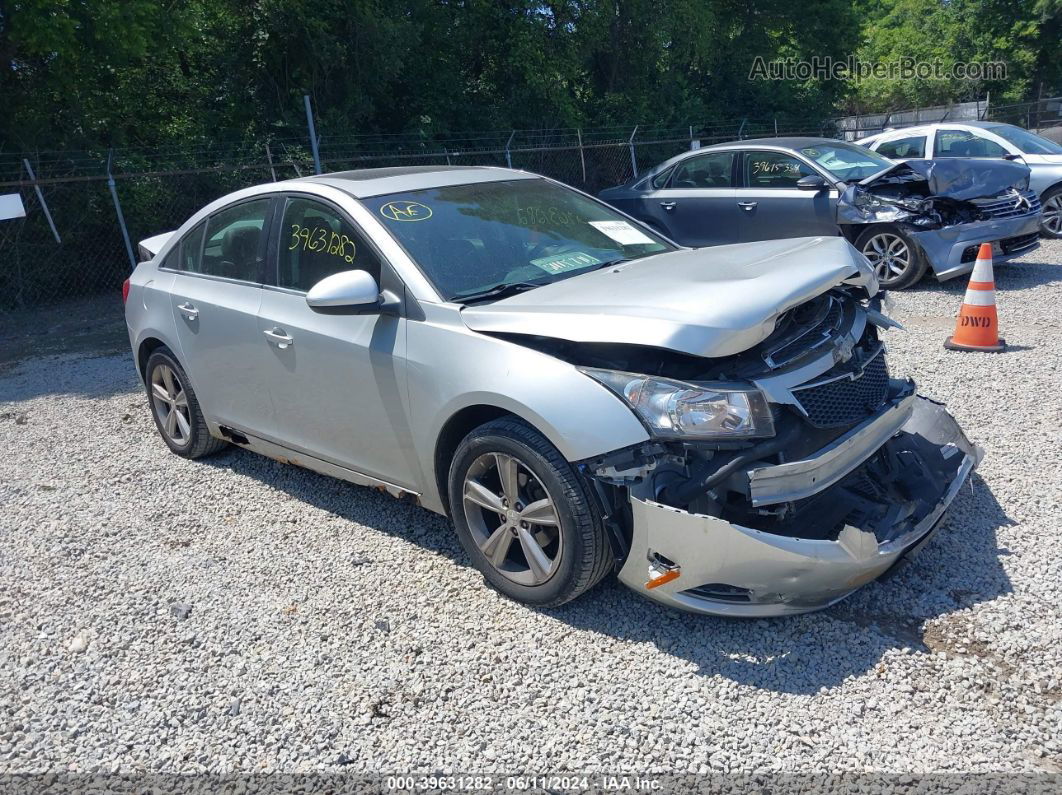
235 614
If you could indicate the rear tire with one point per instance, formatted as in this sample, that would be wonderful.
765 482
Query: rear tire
175 408
897 260
525 517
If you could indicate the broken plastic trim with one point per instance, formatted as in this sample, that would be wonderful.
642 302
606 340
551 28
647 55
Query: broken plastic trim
782 574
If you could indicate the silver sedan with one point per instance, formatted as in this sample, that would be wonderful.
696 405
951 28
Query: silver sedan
576 392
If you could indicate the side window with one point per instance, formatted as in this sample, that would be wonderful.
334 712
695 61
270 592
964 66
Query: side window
960 143
904 148
705 171
315 242
235 243
660 180
773 170
188 255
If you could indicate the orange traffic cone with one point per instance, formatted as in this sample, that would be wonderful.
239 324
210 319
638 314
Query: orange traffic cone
977 327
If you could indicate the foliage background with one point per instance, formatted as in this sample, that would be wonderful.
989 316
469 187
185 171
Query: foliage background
91 73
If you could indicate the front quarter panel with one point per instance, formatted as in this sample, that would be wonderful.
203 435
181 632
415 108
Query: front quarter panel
452 368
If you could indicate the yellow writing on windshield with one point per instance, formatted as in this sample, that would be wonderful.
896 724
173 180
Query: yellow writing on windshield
405 211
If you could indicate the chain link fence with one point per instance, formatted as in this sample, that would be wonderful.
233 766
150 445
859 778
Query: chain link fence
100 200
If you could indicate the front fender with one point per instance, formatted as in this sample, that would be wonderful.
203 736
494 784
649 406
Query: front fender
452 368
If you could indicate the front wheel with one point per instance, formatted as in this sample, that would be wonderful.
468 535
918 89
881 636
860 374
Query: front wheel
1051 222
895 257
524 516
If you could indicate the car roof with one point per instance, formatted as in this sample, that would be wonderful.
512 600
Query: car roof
790 142
366 182
920 128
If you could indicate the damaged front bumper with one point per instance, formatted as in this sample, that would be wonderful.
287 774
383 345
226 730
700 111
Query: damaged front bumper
951 250
706 564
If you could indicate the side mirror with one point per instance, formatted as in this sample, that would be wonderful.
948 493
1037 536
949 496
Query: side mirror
812 182
353 289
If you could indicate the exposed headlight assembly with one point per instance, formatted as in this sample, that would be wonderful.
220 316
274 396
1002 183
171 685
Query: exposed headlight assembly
677 410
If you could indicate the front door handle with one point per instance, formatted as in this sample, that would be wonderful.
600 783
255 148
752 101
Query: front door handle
279 337
747 206
669 206
188 310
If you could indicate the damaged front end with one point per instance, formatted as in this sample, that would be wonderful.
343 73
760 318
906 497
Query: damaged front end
949 207
854 471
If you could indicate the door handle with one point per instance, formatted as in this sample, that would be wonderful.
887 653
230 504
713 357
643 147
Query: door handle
188 310
747 206
279 337
669 206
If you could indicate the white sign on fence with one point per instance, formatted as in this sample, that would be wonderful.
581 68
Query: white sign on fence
11 206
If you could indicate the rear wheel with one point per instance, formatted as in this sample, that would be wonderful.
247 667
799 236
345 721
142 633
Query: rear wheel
1051 222
175 408
896 259
524 516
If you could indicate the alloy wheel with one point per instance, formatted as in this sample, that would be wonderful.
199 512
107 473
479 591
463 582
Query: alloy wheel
889 255
513 519
1052 219
170 402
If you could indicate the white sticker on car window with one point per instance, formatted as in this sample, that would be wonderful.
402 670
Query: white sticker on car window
565 262
622 232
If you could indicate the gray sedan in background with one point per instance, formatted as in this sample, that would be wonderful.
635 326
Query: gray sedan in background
577 393
990 140
904 218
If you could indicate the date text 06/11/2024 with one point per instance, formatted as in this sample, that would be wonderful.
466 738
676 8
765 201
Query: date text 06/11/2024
555 783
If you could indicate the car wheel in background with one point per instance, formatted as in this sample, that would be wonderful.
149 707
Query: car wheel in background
1051 222
524 516
175 408
896 259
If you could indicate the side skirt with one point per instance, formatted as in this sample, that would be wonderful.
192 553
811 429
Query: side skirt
285 456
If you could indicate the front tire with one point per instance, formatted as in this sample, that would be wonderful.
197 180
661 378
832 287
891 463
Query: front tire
895 257
525 517
175 408
1051 222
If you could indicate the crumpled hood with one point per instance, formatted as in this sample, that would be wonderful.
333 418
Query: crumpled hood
705 302
959 178
916 190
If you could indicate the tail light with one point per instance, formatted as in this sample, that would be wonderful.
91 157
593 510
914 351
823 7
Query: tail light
125 291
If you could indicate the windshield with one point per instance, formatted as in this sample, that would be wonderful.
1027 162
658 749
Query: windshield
847 162
1027 142
473 238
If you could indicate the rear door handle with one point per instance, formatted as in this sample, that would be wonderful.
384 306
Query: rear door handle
188 310
279 337
669 206
747 205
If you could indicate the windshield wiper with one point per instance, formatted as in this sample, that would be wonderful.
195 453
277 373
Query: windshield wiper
498 291
611 262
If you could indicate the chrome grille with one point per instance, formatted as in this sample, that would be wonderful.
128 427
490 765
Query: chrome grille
844 400
1015 245
808 327
1012 205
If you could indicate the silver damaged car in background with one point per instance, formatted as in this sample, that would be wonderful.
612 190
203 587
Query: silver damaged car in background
577 393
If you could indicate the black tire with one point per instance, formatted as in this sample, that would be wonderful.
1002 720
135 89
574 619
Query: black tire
1052 201
917 264
192 439
583 555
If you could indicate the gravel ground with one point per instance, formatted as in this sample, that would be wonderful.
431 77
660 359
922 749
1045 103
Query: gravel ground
235 614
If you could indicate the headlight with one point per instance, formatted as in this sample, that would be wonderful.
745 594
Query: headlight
677 410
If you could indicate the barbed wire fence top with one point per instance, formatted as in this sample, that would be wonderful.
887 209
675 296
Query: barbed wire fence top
152 190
